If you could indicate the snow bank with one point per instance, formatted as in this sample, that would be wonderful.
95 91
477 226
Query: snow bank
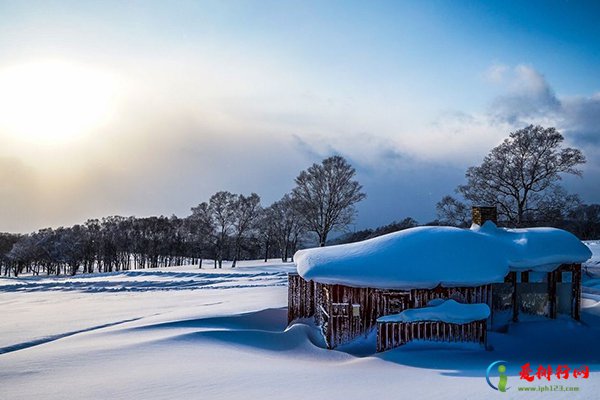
594 261
447 311
425 257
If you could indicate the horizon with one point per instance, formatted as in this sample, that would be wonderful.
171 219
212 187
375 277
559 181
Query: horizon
146 109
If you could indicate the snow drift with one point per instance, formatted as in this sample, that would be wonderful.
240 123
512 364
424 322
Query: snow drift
425 257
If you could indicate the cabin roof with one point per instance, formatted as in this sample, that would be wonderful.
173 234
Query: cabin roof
425 257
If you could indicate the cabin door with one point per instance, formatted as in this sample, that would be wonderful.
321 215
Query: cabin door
345 322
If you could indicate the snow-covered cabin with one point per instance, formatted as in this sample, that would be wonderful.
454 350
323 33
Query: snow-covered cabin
346 288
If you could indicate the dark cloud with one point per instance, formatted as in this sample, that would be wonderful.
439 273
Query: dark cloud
529 98
581 119
397 184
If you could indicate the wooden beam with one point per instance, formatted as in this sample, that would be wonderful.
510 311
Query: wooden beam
552 293
558 276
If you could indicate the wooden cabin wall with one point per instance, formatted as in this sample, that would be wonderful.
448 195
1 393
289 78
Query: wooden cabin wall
343 326
345 313
301 298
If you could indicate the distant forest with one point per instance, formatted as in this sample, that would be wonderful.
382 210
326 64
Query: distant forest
226 227
229 227
235 226
122 243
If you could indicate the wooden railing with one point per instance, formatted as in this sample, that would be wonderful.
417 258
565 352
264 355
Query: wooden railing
394 334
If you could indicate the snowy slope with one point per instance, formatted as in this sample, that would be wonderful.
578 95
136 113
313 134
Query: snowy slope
153 338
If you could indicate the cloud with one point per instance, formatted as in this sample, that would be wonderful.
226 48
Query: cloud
180 138
496 73
525 98
397 184
529 98
367 151
526 95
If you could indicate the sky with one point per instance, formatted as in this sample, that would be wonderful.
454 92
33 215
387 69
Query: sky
149 107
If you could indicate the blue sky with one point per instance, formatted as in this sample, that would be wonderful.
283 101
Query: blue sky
242 95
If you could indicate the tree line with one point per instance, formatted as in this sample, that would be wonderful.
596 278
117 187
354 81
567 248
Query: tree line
521 177
228 226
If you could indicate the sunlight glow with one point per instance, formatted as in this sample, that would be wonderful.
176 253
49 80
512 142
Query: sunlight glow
52 102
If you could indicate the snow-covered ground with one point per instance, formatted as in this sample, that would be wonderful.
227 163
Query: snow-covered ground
185 333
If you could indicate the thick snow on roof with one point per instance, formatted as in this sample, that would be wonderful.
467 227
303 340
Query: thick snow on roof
447 311
425 257
538 249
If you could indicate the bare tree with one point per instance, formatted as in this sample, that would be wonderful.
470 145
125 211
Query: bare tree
7 242
453 212
221 206
246 210
266 229
520 176
201 230
326 194
288 225
585 221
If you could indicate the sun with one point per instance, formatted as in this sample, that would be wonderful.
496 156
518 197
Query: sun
52 102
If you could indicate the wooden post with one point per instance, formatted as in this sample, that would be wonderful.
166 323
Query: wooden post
552 293
525 276
576 291
379 334
515 297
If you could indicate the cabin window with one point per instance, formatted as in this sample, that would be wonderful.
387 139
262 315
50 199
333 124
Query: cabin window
356 310
538 277
566 276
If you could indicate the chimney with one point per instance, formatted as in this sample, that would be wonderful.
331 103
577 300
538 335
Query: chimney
481 214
